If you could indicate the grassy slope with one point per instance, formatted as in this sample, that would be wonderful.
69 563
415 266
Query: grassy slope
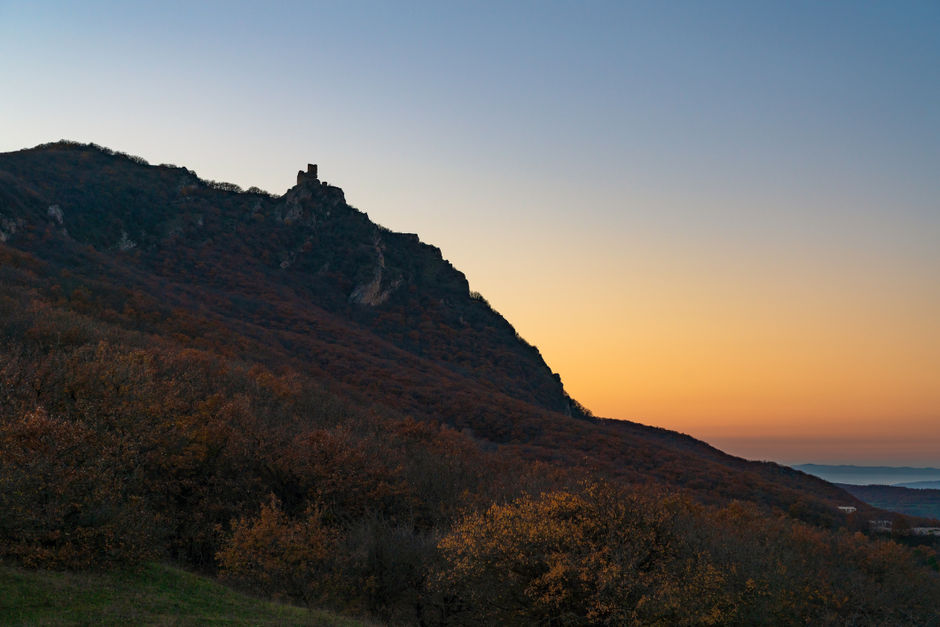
157 595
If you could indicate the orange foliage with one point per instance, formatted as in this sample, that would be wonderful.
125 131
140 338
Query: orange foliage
63 503
281 556
596 556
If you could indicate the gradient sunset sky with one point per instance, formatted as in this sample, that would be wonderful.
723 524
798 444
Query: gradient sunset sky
721 218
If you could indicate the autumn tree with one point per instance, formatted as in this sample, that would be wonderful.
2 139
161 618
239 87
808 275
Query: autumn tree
63 503
281 556
598 555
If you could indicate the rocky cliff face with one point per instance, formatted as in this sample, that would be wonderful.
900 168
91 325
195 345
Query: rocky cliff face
308 242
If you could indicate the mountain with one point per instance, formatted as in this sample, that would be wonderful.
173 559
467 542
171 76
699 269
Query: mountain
922 502
920 485
871 475
195 372
307 280
255 252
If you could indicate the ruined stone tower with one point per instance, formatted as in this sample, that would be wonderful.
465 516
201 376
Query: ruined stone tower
309 175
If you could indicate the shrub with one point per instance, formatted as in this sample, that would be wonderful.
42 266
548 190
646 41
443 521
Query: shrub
63 504
278 555
597 556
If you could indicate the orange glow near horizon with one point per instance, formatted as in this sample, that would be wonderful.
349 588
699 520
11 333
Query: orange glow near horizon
741 356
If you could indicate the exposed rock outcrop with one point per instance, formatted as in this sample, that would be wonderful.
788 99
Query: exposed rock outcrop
371 292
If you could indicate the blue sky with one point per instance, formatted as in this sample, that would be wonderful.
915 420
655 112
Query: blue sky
717 217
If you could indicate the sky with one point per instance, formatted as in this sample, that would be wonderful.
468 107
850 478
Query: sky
721 218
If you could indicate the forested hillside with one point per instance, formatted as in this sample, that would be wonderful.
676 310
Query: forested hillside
276 391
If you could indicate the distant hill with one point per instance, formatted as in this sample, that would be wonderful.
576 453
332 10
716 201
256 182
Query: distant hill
870 475
920 485
924 503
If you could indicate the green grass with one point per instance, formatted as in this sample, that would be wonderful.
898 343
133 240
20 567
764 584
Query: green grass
155 595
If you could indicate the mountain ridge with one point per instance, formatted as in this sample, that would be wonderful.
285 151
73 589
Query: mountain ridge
274 262
870 475
294 225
